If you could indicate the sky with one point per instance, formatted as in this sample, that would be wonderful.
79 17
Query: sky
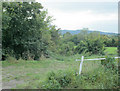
76 14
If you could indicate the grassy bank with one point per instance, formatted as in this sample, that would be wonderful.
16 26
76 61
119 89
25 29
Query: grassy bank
33 74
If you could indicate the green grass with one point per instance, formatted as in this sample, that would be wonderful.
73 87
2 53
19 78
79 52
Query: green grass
29 71
32 70
29 74
111 51
97 76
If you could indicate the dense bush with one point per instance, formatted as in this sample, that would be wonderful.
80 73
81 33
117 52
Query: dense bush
61 79
27 30
99 78
110 63
66 49
95 46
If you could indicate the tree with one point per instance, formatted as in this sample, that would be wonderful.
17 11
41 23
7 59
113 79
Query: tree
25 26
93 46
66 48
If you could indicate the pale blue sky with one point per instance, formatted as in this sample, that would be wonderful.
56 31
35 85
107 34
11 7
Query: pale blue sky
101 16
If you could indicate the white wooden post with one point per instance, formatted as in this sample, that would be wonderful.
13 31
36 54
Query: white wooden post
81 65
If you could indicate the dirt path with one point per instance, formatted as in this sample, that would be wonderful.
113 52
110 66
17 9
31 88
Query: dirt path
15 75
11 84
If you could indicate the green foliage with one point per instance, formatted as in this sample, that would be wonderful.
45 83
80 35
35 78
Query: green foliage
11 59
63 75
110 41
61 79
84 42
66 49
92 43
28 33
97 78
110 63
82 47
94 46
111 51
52 83
27 30
20 29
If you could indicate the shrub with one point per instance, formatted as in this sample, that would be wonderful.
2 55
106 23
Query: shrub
61 79
11 59
110 63
66 48
51 82
96 79
95 46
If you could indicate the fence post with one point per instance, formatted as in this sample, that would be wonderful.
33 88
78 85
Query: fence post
81 65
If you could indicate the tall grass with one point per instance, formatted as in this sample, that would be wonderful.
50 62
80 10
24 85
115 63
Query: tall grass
69 79
99 77
59 72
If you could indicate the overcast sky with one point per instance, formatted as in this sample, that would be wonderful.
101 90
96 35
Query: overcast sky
73 15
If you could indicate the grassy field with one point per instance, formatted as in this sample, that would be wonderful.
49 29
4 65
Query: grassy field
25 72
29 74
111 51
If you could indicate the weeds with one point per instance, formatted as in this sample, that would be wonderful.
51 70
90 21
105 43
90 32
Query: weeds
95 75
97 79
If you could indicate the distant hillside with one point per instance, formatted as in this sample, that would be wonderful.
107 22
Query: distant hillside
89 31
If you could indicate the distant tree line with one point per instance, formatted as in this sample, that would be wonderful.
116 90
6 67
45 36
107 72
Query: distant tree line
85 42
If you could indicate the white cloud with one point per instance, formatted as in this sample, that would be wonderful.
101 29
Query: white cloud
105 19
77 20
